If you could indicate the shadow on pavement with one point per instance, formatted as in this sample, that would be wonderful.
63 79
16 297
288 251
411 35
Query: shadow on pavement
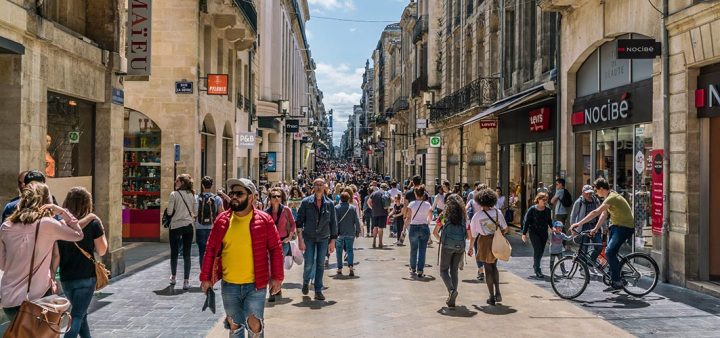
171 291
308 302
343 277
425 278
473 281
495 310
458 311
288 286
281 301
618 302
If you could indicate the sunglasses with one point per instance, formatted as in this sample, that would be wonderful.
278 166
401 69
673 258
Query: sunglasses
275 196
236 193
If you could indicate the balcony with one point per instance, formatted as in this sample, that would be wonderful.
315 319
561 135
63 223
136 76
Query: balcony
401 104
421 27
239 101
479 93
248 9
419 85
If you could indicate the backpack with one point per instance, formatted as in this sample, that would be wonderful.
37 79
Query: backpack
386 200
566 199
208 209
453 236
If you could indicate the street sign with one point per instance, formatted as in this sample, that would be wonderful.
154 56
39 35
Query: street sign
435 141
217 84
183 87
177 152
73 137
421 124
118 96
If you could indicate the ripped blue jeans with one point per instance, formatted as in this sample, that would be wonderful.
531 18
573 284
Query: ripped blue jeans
240 302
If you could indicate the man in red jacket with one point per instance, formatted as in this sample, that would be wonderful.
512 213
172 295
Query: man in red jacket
247 240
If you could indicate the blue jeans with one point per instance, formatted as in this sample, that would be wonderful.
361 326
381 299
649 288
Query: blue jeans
201 238
314 255
242 301
346 243
617 236
419 235
79 292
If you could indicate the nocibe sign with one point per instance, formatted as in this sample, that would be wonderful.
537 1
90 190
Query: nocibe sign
707 96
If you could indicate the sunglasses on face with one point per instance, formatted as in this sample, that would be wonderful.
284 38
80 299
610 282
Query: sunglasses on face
236 193
275 196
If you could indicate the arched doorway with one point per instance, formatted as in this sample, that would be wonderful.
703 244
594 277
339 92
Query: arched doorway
141 177
207 147
227 153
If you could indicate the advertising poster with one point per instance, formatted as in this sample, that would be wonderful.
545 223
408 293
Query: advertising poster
271 162
263 167
657 191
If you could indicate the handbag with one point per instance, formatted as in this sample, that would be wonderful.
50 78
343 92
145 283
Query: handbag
501 248
102 275
40 318
167 218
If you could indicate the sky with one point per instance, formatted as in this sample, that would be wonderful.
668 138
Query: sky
340 49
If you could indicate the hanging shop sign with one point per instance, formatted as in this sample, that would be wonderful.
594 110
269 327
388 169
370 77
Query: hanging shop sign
246 140
292 126
656 194
297 136
539 120
489 124
435 141
707 96
217 84
638 48
183 87
478 158
139 37
421 123
613 108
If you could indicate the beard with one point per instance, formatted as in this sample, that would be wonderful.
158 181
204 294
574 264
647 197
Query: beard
238 206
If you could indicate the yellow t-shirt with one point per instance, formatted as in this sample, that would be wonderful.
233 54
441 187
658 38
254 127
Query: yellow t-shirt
620 211
237 252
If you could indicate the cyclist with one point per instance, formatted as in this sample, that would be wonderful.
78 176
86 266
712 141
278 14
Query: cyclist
621 230
584 205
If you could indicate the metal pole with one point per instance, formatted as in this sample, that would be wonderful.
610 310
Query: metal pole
251 111
666 145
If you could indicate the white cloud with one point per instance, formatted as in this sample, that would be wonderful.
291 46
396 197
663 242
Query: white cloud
353 29
308 33
341 88
325 5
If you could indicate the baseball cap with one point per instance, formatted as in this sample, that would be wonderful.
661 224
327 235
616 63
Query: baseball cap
558 224
243 182
587 188
34 176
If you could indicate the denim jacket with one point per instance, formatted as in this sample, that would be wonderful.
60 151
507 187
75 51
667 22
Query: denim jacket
317 224
350 225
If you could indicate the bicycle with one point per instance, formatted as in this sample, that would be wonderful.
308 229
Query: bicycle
570 275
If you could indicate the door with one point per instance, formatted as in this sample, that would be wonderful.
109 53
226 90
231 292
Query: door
714 213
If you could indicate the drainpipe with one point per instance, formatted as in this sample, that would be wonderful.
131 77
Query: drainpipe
558 95
251 111
666 145
502 49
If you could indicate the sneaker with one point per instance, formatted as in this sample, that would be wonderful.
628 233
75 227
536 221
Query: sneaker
305 289
172 281
352 273
420 274
498 298
186 285
319 296
451 298
491 300
271 299
481 276
339 272
412 272
612 289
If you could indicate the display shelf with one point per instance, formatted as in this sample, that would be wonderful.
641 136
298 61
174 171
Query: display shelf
142 149
142 164
141 193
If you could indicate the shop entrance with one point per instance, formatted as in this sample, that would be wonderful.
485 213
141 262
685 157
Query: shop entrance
530 164
714 212
141 178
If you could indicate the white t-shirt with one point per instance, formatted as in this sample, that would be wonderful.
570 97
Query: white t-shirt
394 192
500 202
419 211
481 224
440 201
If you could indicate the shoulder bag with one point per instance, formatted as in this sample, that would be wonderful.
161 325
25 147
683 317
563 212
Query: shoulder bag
102 275
501 248
40 318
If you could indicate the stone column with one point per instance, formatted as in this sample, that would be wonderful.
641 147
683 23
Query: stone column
11 115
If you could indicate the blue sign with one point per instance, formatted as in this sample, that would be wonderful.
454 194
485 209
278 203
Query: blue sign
177 152
118 96
183 87
271 162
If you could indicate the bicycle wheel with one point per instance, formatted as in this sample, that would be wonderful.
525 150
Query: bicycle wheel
569 277
640 274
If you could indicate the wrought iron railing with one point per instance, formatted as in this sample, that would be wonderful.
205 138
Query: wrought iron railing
421 27
401 103
239 101
480 93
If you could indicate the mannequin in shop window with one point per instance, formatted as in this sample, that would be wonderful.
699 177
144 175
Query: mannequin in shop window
49 160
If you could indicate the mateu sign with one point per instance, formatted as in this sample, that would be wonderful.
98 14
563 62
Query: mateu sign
139 37
638 49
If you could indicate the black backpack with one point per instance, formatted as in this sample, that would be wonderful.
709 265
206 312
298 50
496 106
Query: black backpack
208 209
566 199
453 236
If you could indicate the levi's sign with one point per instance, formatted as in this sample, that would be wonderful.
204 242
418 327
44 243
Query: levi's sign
610 111
488 124
139 37
539 120
638 49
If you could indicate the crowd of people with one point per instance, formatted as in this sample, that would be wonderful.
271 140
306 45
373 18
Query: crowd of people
245 234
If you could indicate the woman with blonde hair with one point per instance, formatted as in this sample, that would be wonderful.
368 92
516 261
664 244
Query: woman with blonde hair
77 271
27 239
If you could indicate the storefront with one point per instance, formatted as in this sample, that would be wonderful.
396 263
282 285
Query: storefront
526 138
613 133
707 102
142 145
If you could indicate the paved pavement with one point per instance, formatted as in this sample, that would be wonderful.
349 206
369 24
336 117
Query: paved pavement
384 301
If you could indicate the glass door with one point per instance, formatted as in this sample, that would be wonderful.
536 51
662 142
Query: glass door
605 155
546 161
642 188
529 172
583 161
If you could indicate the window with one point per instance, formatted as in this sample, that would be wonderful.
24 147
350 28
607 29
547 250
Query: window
219 55
70 137
207 50
230 61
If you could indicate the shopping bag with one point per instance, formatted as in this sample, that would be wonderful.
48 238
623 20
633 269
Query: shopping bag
288 262
297 255
501 248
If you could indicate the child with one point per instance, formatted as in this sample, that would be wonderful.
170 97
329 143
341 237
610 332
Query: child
556 243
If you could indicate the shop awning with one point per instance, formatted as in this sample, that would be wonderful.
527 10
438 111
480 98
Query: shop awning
514 100
269 122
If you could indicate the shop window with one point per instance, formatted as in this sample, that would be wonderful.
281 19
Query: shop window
613 71
642 186
583 161
588 77
546 161
70 137
605 155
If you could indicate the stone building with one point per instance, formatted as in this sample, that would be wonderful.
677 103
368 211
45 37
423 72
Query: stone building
59 66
